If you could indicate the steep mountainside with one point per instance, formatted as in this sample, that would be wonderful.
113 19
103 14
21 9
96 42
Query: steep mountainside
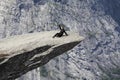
96 58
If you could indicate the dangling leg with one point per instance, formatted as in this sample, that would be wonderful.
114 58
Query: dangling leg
55 35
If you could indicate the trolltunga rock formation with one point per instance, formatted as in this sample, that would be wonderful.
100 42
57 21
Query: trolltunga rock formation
22 53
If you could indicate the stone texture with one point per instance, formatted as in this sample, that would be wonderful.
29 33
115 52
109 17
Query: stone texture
20 54
96 58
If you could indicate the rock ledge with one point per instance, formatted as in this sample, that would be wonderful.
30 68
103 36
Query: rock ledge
22 53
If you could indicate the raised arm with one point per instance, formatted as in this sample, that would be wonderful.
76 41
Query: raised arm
59 27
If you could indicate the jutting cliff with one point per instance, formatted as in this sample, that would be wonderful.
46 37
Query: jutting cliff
23 53
95 58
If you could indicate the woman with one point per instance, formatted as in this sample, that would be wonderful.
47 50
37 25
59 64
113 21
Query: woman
62 31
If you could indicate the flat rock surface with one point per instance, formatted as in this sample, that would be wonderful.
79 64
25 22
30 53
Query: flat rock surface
22 53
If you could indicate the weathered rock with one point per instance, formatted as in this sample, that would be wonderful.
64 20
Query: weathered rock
22 53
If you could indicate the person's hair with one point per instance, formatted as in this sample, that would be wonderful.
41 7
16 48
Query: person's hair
59 25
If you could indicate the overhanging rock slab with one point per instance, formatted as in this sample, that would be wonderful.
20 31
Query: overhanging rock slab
22 53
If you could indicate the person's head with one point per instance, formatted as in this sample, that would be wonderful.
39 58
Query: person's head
61 27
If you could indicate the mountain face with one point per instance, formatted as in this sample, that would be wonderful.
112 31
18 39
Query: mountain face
95 58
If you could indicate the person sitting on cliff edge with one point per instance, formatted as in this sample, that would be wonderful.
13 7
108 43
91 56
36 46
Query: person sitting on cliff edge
62 31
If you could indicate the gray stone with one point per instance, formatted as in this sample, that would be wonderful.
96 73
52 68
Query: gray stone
23 53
